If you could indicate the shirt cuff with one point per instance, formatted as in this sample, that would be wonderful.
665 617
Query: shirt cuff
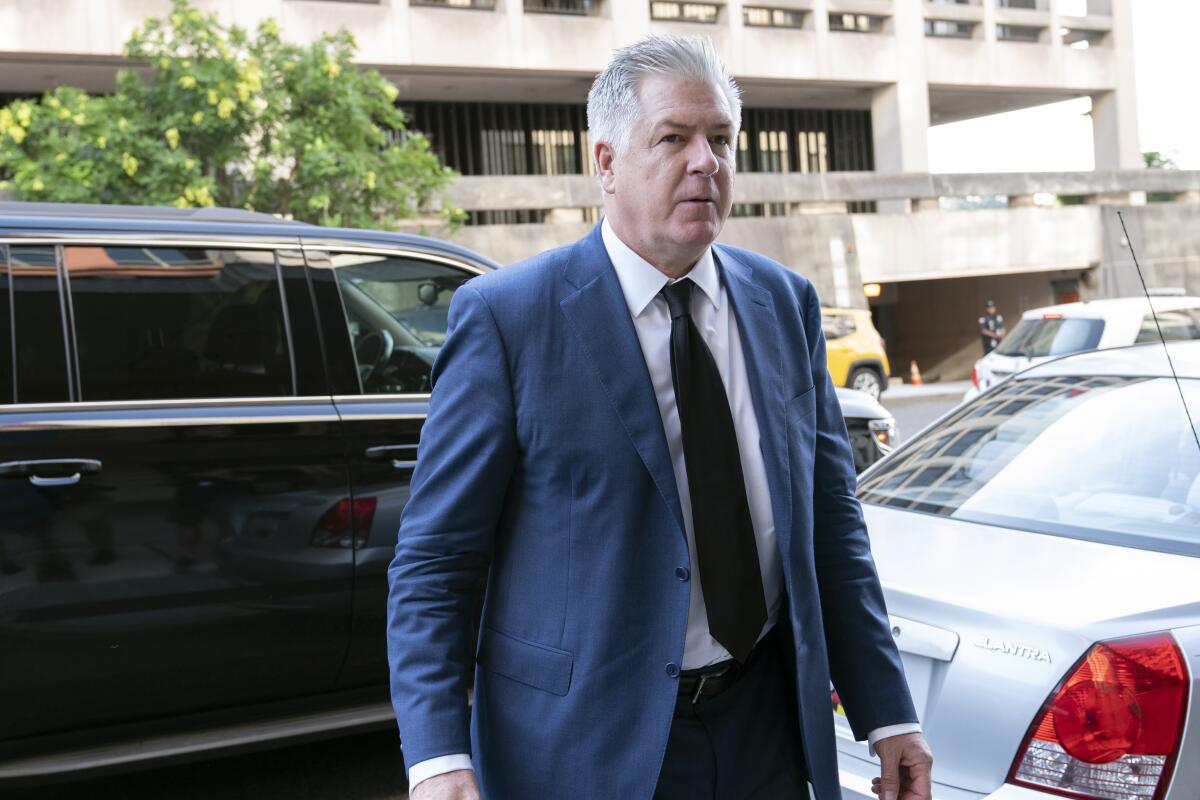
431 767
887 731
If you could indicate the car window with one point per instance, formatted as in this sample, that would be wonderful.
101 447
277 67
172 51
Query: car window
1179 325
1051 455
170 323
396 310
1035 338
36 353
837 326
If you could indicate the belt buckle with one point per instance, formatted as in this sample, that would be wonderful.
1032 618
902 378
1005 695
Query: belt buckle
704 679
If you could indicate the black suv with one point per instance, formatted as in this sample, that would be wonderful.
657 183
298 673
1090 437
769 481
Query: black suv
207 424
208 420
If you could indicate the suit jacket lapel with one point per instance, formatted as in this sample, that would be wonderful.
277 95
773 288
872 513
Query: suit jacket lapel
596 309
762 348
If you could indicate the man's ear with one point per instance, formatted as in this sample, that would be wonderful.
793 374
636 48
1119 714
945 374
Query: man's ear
605 158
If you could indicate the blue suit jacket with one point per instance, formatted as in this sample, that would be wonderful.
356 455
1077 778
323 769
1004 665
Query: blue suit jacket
544 460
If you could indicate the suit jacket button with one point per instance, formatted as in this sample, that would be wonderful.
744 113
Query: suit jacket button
682 573
673 670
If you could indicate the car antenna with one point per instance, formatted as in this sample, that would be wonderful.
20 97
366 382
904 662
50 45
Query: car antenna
1158 327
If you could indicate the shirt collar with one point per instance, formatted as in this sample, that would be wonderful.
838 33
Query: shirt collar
641 281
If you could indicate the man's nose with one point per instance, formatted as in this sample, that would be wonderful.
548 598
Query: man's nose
701 158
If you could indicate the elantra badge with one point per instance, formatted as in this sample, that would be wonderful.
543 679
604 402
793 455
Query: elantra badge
1012 648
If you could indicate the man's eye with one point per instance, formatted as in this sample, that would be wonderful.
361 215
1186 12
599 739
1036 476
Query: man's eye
672 138
721 140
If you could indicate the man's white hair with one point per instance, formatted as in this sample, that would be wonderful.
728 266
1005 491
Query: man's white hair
613 107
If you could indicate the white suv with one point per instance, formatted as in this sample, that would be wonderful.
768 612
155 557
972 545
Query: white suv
1046 333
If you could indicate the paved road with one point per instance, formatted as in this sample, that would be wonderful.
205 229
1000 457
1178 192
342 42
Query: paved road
913 414
366 767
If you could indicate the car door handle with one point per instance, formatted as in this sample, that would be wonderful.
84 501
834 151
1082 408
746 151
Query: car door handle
62 471
403 456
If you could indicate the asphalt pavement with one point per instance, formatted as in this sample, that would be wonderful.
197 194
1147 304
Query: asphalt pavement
914 407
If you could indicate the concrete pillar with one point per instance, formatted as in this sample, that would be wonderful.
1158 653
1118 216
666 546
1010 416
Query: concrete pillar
1054 35
1114 113
1192 196
989 22
1021 201
900 111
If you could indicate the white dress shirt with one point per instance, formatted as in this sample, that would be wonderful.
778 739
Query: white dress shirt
641 283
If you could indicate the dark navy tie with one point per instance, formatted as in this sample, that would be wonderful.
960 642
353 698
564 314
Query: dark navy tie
725 546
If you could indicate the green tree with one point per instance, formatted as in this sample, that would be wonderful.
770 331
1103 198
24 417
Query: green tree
227 118
1153 159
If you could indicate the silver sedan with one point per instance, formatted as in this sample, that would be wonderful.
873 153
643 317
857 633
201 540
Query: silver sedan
1040 551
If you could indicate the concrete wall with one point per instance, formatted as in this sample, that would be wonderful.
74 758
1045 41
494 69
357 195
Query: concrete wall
396 33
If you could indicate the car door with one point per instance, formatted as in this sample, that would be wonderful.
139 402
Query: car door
383 315
176 483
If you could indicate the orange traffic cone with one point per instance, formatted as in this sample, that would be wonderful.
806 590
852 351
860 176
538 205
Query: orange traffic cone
914 374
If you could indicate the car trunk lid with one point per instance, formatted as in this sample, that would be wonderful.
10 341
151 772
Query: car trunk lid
989 620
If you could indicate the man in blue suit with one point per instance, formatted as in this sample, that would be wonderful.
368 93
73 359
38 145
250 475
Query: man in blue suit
635 440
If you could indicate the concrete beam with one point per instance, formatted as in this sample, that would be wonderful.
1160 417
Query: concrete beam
507 192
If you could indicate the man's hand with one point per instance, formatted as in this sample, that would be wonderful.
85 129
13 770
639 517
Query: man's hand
457 785
905 765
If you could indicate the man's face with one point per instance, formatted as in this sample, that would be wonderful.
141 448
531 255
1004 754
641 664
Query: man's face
669 194
991 308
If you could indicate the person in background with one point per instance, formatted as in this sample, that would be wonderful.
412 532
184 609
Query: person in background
991 327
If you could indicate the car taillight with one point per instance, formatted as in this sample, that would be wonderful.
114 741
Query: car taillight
347 523
1111 730
975 376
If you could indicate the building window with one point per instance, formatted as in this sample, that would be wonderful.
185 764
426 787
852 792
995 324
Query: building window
1019 33
757 17
579 8
667 11
482 5
804 141
1080 39
1033 5
949 29
856 23
952 2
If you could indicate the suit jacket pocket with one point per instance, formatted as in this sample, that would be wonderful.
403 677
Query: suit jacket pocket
537 665
802 406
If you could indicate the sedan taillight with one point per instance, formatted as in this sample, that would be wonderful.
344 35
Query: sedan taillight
1112 729
347 523
975 376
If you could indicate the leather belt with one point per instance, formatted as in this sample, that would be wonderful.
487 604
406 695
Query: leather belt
711 680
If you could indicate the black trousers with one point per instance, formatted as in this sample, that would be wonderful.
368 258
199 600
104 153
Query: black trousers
742 744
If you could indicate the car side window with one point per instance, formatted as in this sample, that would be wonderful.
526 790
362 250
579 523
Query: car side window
34 339
396 311
1180 325
837 326
156 323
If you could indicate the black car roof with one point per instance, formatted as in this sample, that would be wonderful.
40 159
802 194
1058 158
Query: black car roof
33 218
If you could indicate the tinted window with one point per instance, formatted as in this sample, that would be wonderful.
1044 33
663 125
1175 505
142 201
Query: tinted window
1051 337
1057 456
1177 325
40 352
396 309
160 323
836 326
